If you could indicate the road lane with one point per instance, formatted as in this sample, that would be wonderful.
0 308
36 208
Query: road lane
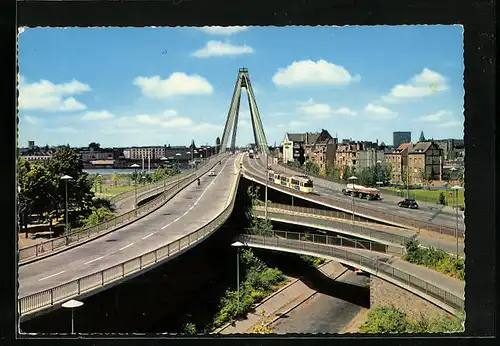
192 208
429 213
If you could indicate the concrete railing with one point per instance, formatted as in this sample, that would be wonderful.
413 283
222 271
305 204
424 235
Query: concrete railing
47 298
339 241
301 215
30 253
367 213
374 266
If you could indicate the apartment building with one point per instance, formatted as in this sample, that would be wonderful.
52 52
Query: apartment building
370 157
398 160
91 155
324 153
138 153
425 162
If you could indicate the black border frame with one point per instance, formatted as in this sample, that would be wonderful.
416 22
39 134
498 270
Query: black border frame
478 18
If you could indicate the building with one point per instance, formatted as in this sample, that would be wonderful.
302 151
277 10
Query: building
425 162
31 144
297 146
139 153
398 161
324 153
370 157
400 137
452 148
92 155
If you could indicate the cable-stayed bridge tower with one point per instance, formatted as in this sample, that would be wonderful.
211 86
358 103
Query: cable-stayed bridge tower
243 81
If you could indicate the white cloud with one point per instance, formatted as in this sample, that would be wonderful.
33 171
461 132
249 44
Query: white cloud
62 129
178 83
206 127
277 114
31 119
453 123
310 72
47 96
380 112
323 111
434 117
219 48
293 124
101 115
223 30
424 84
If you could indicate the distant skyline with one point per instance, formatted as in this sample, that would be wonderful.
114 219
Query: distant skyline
154 86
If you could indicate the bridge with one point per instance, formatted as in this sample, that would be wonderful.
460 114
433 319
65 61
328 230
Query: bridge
179 214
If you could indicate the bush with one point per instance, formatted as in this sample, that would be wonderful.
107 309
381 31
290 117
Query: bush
442 198
313 261
190 329
436 259
384 319
98 216
388 319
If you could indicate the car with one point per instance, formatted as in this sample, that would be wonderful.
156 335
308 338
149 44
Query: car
211 173
408 203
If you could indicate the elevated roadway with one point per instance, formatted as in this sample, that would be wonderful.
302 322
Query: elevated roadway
387 211
320 219
443 291
191 209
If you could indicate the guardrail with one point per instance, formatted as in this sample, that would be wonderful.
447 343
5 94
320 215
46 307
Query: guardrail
338 241
366 212
371 265
49 246
41 300
273 212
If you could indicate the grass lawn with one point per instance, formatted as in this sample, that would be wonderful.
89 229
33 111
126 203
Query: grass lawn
431 196
114 190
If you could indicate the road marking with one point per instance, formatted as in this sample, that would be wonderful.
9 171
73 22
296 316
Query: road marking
50 276
166 225
95 259
126 246
149 235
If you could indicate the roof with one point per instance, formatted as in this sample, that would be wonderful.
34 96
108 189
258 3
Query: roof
403 146
420 147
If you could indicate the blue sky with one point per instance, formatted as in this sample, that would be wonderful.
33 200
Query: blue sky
155 86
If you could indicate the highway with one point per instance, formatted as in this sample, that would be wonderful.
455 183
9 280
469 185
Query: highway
189 210
428 213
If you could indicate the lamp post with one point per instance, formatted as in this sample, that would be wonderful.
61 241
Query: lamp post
163 159
71 304
267 182
66 178
238 245
377 171
135 166
456 188
353 179
177 165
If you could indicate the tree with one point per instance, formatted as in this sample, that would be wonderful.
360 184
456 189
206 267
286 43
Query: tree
95 146
115 178
66 161
312 167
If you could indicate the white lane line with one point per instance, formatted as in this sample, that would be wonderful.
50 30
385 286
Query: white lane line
149 235
95 259
204 191
126 246
166 225
51 276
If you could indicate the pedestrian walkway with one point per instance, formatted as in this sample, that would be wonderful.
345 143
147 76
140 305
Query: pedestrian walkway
281 301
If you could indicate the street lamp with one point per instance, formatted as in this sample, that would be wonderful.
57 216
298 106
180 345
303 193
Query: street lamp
163 159
71 304
238 245
456 188
353 179
267 182
177 164
66 178
377 171
135 166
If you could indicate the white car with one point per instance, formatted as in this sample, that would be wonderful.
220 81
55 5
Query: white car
211 173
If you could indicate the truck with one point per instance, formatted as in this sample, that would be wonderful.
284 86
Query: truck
361 191
250 154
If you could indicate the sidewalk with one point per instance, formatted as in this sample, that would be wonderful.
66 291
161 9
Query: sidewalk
282 301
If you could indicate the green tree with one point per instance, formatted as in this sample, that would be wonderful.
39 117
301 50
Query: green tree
312 167
442 198
98 216
66 161
115 178
190 329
